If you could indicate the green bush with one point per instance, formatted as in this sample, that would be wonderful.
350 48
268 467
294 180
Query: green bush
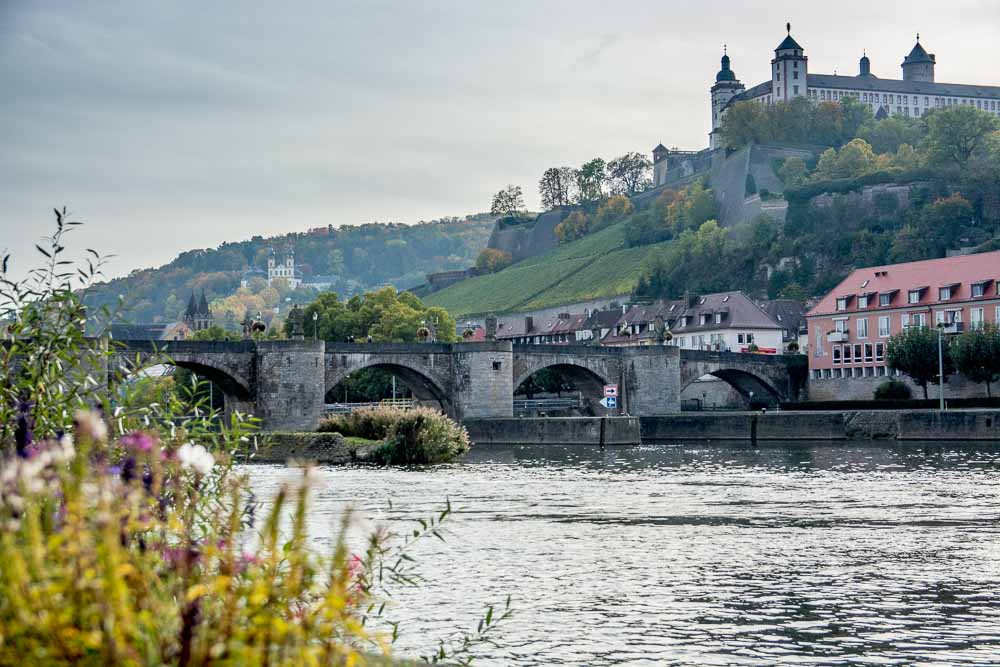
893 390
417 436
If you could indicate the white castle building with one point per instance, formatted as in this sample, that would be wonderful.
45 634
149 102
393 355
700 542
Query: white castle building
914 95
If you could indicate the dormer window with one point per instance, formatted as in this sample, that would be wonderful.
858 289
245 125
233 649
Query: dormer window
913 296
718 318
863 301
841 303
945 293
884 299
704 318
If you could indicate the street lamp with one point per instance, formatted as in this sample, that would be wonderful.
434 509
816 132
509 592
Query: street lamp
940 328
315 325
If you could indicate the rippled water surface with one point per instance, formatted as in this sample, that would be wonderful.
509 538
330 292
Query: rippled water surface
709 555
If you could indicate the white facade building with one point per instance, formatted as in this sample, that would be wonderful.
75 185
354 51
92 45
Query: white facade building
285 271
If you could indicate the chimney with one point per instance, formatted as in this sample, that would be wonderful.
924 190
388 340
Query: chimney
563 316
529 323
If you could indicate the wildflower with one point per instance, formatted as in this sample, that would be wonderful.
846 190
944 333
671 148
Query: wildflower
90 426
138 441
195 457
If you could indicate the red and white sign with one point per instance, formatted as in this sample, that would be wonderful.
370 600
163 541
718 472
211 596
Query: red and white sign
611 390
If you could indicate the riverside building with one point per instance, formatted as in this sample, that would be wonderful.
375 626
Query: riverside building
850 327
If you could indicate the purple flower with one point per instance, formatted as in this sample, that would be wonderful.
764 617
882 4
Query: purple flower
24 425
138 441
128 467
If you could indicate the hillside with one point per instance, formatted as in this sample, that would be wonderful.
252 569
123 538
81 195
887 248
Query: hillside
597 265
357 258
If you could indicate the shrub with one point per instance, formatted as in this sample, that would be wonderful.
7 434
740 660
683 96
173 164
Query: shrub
417 436
749 186
893 390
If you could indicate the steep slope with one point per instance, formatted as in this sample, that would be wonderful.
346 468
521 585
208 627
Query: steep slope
598 265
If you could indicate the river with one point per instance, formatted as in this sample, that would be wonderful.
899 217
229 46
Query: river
698 554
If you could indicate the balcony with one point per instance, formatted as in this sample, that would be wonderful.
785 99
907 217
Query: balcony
952 327
837 337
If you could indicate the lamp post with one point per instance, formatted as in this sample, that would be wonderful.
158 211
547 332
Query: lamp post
315 324
940 328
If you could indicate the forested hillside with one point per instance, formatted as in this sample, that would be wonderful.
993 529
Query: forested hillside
360 258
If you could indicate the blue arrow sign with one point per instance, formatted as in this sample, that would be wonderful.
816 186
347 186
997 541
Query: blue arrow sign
610 402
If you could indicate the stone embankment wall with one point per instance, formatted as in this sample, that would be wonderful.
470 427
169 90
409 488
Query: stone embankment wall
558 431
855 425
863 389
330 448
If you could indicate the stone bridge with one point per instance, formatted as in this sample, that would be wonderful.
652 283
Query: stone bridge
286 383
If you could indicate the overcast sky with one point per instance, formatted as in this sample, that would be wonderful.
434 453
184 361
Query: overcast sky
174 125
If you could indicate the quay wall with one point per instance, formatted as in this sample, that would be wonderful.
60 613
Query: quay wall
555 431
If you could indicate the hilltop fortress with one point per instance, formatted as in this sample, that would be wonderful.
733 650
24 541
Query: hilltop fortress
914 95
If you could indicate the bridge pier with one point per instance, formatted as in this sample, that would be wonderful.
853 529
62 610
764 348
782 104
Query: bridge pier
651 380
290 384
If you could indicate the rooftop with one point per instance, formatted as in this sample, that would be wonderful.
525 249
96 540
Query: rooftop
929 275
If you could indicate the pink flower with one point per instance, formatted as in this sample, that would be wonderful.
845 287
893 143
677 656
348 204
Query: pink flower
138 441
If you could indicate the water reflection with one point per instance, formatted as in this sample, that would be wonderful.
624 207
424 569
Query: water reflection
701 554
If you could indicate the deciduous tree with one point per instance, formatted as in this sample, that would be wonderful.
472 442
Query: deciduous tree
914 352
556 187
630 174
976 354
590 181
491 260
509 203
955 133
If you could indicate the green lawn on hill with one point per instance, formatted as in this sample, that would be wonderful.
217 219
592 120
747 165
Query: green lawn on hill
598 265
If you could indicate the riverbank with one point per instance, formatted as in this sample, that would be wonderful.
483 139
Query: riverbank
852 425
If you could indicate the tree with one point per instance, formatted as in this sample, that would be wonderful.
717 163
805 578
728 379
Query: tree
793 172
955 133
508 203
630 174
855 159
590 180
214 332
576 225
914 352
976 354
491 260
614 209
556 187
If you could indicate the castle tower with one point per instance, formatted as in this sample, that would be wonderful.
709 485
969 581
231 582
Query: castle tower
726 87
198 316
865 66
789 70
919 65
660 165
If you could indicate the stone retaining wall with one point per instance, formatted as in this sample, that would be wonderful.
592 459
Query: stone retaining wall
554 431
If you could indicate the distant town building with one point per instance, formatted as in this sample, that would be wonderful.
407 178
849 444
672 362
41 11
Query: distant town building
285 270
197 315
913 95
850 327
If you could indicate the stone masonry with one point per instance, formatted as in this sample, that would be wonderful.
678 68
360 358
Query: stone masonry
285 383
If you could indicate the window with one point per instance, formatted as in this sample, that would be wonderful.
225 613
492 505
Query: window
920 319
944 293
863 327
857 354
883 326
978 289
740 339
749 338
836 354
996 316
869 348
796 88
718 318
840 326
842 303
913 296
904 320
977 318
884 299
795 75
879 351
863 301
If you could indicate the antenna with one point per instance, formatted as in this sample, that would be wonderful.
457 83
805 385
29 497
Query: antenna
725 49
788 27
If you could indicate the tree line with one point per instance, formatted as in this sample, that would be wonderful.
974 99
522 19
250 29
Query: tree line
974 354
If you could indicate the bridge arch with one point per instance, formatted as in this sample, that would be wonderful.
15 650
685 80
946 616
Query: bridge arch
587 380
743 382
424 387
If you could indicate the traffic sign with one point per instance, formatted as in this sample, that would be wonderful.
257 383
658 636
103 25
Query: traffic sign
611 390
610 402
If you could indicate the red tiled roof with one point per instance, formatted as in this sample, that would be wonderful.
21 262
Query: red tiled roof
963 271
